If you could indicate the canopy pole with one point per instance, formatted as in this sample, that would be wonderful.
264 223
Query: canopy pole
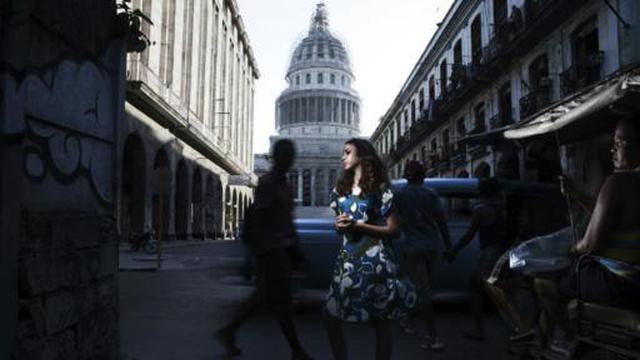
624 23
567 199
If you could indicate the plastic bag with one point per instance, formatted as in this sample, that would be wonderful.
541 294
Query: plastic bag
543 253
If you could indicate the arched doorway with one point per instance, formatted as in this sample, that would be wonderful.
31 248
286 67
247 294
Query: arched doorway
209 208
182 200
228 209
161 182
244 207
218 206
508 165
197 230
132 206
482 171
236 212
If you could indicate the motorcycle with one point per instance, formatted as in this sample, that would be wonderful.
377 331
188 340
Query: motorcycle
146 241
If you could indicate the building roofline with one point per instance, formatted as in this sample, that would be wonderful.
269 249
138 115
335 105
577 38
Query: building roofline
421 63
244 37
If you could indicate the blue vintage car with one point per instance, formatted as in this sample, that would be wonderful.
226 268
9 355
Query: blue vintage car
320 243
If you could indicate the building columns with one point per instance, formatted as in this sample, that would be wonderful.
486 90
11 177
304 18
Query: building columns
313 187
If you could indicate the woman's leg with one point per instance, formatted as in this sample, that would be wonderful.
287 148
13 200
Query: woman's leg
383 339
507 310
333 326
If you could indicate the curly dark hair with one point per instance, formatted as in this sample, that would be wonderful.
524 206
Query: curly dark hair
374 173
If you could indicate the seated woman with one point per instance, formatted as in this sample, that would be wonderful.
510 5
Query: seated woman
608 269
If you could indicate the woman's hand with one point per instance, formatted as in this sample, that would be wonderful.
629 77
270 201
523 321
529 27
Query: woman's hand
344 223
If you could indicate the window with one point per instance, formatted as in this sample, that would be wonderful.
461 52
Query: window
413 111
307 79
445 139
309 51
499 12
504 104
332 78
297 79
443 77
421 99
478 112
432 88
406 120
320 78
332 52
538 73
321 51
343 80
586 52
461 128
476 40
457 53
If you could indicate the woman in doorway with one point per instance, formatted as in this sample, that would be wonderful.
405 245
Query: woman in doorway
365 285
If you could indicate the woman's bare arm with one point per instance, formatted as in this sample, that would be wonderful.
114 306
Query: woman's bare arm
602 223
388 230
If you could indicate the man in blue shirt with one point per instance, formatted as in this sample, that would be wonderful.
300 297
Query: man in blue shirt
423 225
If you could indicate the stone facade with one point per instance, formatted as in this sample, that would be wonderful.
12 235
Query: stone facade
62 82
319 110
492 64
186 169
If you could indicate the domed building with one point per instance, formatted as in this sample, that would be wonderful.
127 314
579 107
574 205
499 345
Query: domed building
319 110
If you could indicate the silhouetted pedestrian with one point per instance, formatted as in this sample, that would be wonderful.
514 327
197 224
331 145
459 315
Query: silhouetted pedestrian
423 226
276 248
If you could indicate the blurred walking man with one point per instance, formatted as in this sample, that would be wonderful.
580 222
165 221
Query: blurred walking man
275 245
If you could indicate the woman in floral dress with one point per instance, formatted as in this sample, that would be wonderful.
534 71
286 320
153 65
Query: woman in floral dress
365 285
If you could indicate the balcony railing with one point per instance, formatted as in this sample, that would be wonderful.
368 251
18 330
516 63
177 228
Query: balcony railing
501 119
445 158
582 74
458 155
526 27
535 100
477 151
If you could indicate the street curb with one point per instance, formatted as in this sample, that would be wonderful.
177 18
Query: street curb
177 243
149 269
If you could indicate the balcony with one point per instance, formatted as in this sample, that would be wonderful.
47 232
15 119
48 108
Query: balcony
501 119
477 151
458 155
582 74
445 160
535 100
460 75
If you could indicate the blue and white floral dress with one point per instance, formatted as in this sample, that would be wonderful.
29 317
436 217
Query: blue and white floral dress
365 284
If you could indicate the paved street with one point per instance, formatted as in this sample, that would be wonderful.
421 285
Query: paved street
172 313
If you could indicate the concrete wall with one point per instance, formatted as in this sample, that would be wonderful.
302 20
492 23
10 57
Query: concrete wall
62 86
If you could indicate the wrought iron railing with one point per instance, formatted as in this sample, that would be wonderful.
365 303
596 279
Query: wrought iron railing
582 73
535 100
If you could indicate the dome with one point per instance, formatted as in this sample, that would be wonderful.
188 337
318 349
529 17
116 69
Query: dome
319 48
319 101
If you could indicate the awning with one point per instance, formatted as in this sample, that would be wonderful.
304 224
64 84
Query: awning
491 137
586 114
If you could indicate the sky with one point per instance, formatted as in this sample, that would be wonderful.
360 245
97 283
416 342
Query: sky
384 40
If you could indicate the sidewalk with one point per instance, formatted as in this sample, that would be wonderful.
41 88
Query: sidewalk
129 260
